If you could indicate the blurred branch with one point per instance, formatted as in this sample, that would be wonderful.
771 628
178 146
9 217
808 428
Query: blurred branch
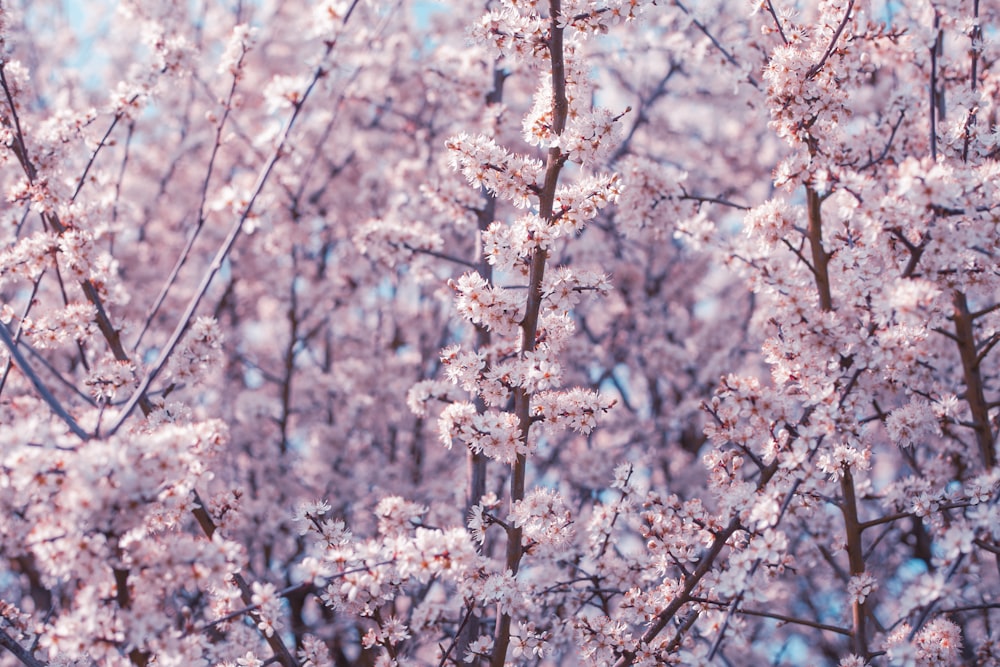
43 392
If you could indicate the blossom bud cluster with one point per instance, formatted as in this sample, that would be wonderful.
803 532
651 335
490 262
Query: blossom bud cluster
327 19
577 409
494 308
937 644
109 376
493 433
517 31
507 246
586 16
544 519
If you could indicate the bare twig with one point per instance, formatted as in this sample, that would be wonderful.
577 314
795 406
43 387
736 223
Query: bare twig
779 617
93 156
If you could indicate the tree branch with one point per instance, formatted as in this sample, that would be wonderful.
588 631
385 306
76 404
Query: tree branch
21 653
814 70
39 386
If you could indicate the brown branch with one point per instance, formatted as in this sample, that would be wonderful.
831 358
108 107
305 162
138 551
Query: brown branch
684 597
476 462
976 38
987 347
778 617
855 555
529 324
934 98
795 621
439 255
985 311
820 257
208 526
19 146
974 393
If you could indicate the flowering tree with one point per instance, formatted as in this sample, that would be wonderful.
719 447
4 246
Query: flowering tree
562 332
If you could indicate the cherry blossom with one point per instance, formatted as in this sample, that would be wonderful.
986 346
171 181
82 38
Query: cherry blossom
542 333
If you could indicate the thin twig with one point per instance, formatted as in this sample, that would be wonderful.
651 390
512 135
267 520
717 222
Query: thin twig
55 373
777 21
200 222
778 617
935 52
439 255
814 70
93 156
715 42
888 144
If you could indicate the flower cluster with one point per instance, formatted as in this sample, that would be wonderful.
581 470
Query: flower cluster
545 521
938 644
200 352
485 164
708 304
108 376
861 586
652 201
242 40
75 322
494 308
493 433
